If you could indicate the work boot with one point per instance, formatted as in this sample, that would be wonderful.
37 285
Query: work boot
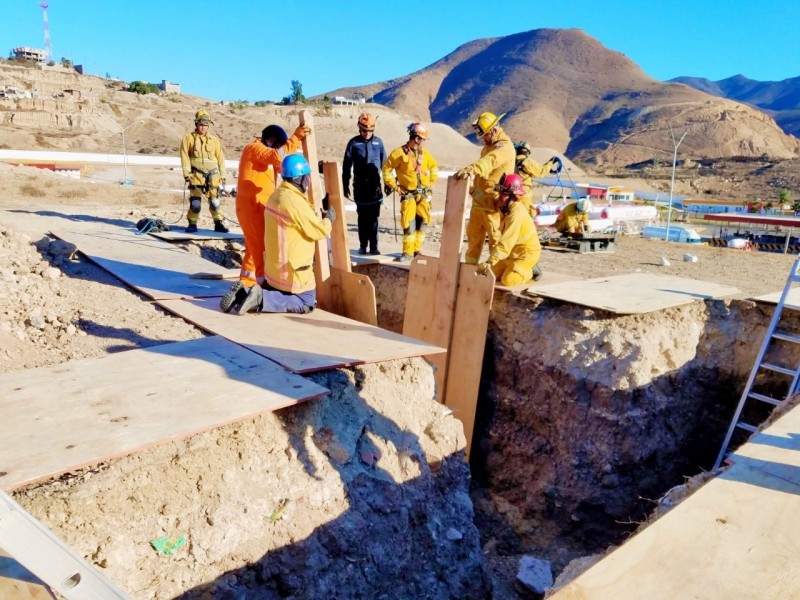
375 252
233 297
219 227
403 258
192 228
253 300
537 273
362 251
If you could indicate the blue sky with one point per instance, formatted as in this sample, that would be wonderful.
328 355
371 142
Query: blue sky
234 50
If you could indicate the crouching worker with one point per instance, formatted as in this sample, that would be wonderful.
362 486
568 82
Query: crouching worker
291 226
514 257
574 218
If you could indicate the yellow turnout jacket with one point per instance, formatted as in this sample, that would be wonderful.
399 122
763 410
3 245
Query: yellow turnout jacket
291 226
201 154
497 159
518 236
412 169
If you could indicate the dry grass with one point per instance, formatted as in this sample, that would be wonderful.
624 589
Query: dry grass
34 191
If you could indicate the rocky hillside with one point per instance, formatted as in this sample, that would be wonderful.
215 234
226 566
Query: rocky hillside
780 99
69 111
562 88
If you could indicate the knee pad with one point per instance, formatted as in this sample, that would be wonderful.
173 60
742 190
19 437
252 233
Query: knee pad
195 204
214 201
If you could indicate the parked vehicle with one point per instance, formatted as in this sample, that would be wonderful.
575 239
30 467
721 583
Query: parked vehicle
677 233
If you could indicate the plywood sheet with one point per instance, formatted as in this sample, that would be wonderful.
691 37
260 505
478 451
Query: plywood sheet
302 343
736 537
792 298
200 234
549 277
470 323
155 268
633 293
77 414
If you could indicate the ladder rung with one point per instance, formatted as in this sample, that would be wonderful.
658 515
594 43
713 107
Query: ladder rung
746 427
787 337
764 398
778 369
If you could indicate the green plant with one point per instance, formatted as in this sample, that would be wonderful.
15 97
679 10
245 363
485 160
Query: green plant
141 87
784 196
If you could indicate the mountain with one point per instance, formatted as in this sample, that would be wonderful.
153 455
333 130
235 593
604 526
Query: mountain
780 99
562 88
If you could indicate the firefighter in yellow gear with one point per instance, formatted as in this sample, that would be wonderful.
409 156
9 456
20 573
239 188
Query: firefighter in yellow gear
528 170
412 171
291 228
574 218
203 166
497 159
515 257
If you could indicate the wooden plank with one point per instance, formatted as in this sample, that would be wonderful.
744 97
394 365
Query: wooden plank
792 299
200 235
465 356
444 296
302 343
418 317
49 558
358 296
132 259
633 293
736 537
80 413
315 194
333 185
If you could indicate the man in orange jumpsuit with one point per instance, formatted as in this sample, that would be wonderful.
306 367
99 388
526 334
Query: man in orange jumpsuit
261 160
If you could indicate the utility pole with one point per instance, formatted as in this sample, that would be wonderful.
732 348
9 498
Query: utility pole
125 151
672 184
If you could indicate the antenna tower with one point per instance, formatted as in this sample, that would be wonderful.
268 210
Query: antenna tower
48 47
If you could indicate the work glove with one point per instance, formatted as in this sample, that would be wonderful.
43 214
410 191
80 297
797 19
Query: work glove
465 172
302 131
329 214
484 268
387 189
186 178
555 165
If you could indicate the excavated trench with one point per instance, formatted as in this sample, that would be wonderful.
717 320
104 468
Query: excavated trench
586 417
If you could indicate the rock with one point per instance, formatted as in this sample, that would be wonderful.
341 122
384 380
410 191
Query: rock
534 575
51 273
665 262
690 258
454 535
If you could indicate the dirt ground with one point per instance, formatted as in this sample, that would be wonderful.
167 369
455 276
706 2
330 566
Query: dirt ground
107 316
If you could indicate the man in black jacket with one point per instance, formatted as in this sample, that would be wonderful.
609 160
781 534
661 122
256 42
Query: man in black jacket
364 155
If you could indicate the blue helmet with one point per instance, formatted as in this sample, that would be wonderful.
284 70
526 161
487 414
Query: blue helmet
294 165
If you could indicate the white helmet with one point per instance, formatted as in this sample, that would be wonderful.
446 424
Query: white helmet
583 206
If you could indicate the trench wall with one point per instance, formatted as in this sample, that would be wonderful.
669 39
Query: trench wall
586 417
363 494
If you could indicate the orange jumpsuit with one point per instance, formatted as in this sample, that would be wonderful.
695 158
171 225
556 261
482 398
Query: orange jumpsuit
257 173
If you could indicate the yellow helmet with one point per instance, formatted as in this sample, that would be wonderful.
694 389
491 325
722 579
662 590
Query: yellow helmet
202 116
486 122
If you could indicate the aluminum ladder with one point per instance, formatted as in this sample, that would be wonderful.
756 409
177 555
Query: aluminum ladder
748 394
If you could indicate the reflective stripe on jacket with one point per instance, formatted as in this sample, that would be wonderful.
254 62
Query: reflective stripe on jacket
291 226
412 169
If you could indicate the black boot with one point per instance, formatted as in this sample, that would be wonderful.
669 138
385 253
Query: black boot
192 228
219 227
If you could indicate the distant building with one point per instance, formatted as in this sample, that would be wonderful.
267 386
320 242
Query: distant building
169 88
23 52
79 69
350 101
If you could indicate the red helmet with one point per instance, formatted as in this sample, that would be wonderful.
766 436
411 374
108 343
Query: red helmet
513 183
